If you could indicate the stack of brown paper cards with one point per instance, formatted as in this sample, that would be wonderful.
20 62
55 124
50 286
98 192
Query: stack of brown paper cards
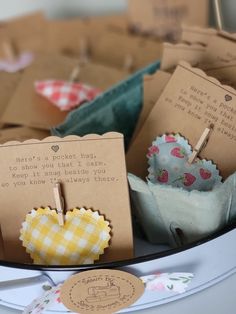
59 46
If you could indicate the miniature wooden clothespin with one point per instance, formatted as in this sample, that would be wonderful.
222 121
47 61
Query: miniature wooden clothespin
200 144
9 51
83 59
218 14
74 74
59 203
129 62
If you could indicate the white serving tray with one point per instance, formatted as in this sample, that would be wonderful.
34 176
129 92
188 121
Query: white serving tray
210 260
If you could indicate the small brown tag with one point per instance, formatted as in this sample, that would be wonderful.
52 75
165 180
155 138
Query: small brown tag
101 291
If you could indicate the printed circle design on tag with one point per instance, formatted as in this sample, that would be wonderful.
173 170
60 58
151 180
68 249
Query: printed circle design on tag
101 291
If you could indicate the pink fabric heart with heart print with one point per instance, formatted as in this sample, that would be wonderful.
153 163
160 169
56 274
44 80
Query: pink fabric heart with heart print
168 160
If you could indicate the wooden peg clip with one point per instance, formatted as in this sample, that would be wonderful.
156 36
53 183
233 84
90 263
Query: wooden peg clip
59 203
129 62
75 74
200 144
9 51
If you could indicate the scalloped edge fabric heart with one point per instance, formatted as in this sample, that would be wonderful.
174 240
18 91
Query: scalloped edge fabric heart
66 95
168 164
81 240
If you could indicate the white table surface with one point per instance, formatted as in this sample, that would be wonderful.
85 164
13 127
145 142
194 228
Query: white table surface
219 299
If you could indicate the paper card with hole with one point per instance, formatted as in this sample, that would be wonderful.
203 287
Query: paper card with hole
164 18
191 102
30 109
197 35
174 53
92 173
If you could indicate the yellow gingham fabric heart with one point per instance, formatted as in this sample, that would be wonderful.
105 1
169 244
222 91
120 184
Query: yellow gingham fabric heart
81 240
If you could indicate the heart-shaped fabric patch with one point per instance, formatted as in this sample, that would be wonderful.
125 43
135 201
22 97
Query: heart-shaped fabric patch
168 159
81 240
23 61
66 95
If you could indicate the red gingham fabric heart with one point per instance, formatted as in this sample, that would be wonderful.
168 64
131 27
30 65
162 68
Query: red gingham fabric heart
66 95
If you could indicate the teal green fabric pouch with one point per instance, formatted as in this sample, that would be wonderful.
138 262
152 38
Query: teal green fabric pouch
117 109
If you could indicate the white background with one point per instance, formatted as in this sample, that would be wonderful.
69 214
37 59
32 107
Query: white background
61 8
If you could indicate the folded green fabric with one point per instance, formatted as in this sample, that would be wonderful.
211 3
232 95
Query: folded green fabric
117 109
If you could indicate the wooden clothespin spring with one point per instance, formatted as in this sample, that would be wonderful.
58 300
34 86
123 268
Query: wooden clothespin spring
200 144
59 203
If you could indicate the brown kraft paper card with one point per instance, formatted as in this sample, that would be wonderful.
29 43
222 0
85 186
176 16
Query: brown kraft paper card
153 86
8 83
190 102
30 109
164 18
138 50
173 53
117 22
225 72
221 48
197 35
81 32
69 43
92 172
26 33
22 134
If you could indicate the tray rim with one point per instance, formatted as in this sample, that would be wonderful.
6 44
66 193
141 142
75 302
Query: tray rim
120 263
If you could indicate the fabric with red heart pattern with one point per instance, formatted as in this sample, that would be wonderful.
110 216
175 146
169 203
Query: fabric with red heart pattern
168 160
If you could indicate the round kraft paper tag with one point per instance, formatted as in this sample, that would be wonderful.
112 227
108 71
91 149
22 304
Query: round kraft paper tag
101 291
